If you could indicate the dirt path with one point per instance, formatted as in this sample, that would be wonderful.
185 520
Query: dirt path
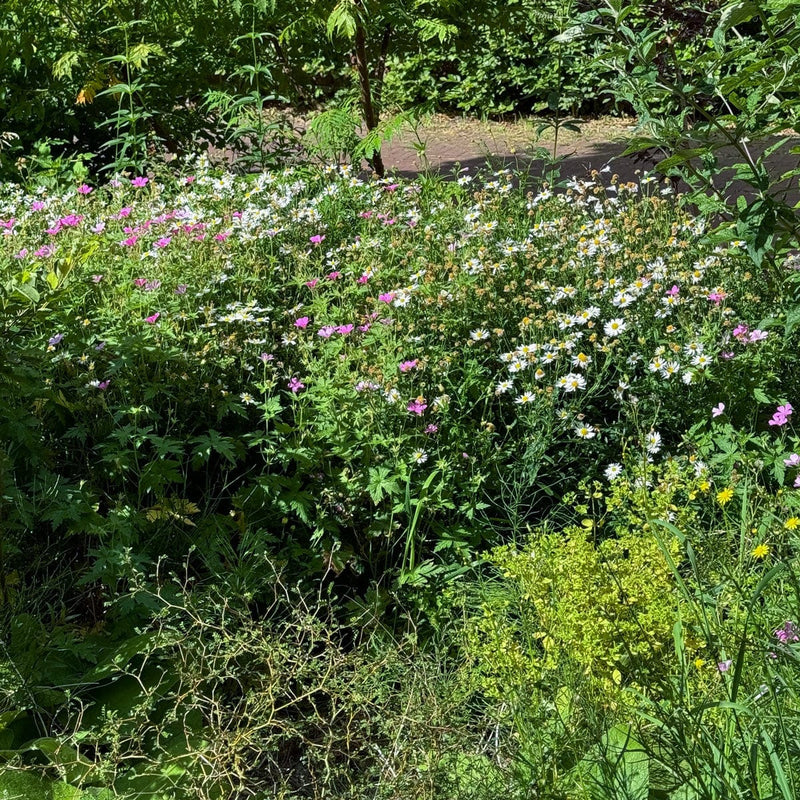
446 144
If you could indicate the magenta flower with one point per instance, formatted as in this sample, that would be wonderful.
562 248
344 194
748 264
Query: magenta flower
718 410
140 182
103 384
181 288
151 286
392 187
332 276
97 278
124 212
674 291
37 205
221 237
22 253
140 282
417 407
130 241
364 328
295 385
189 179
317 239
788 633
407 366
326 332
724 666
153 318
344 330
431 428
387 297
44 252
265 357
757 336
792 461
740 332
363 279
781 415
312 283
163 241
717 297
302 322
85 189
365 214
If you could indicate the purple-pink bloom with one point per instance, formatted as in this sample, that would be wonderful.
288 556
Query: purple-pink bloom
792 461
295 385
140 181
757 336
37 205
363 279
181 288
724 666
103 384
718 410
44 252
431 428
326 331
85 189
716 297
140 282
54 340
416 407
332 276
781 415
130 241
674 290
407 366
364 328
265 357
97 278
301 322
312 283
163 241
344 330
386 297
317 239
153 318
788 633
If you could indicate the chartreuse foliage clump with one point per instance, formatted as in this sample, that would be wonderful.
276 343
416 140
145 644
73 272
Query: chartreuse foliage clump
318 486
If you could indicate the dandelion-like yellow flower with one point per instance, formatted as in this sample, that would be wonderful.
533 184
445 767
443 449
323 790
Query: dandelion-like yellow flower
792 523
760 551
724 496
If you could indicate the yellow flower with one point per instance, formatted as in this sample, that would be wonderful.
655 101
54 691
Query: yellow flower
724 496
791 523
704 486
699 663
760 551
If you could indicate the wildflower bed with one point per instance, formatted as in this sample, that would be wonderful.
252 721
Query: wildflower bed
375 380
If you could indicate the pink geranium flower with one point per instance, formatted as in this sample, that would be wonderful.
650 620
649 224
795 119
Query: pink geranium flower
718 410
301 322
781 415
85 189
386 297
417 407
317 239
407 366
295 385
344 330
312 283
140 182
153 318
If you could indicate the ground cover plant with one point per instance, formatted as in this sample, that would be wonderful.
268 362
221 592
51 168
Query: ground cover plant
321 486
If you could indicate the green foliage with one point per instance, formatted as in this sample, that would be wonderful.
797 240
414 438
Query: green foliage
723 82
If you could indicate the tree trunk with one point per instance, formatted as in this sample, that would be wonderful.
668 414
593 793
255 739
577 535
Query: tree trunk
370 116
